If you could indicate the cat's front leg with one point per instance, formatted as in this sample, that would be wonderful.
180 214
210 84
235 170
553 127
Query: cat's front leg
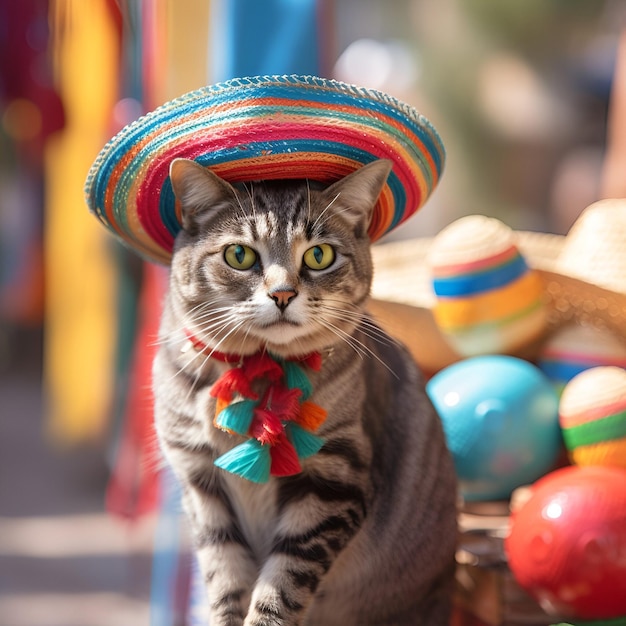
225 559
283 592
318 519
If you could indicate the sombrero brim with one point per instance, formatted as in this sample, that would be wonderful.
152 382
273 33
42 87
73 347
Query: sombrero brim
403 297
405 263
270 127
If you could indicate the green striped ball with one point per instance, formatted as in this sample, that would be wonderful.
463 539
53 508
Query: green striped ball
592 414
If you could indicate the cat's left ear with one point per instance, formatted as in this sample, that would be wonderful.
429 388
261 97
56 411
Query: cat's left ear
199 191
358 192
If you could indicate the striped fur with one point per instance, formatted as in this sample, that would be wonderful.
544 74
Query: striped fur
365 534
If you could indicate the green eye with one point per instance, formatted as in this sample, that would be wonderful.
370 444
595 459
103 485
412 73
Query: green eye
319 257
240 257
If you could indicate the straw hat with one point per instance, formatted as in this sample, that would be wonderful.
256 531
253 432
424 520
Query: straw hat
269 127
583 276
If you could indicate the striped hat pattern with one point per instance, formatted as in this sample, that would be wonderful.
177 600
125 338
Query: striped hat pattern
271 127
575 348
592 414
487 298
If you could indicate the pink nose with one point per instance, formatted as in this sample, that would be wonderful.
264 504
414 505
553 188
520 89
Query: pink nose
282 298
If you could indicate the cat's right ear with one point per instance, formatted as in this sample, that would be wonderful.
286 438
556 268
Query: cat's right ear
358 192
199 191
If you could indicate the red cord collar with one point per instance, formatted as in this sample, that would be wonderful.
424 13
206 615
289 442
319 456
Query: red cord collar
312 360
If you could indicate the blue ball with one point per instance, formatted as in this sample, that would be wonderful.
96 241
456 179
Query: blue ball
500 417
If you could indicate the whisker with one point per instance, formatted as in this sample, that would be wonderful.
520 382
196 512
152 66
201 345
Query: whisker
242 210
319 217
207 358
244 339
334 214
367 325
202 305
250 193
178 336
345 337
355 314
234 329
308 197
211 317
358 346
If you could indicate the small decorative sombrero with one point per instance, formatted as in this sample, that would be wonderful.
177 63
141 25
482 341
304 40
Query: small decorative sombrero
269 127
582 281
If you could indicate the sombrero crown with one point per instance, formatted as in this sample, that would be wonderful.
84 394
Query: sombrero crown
270 127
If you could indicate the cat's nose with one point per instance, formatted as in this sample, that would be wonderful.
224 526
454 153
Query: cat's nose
283 297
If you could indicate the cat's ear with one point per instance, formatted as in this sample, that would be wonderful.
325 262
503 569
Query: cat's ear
358 192
199 190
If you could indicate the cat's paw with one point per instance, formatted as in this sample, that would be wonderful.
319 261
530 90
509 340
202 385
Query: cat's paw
265 614
270 610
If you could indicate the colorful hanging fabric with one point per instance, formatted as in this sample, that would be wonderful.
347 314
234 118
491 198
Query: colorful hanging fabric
133 488
188 54
159 60
252 38
30 111
170 586
80 272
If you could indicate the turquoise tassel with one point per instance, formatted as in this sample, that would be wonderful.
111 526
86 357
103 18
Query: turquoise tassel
295 378
250 460
237 417
306 444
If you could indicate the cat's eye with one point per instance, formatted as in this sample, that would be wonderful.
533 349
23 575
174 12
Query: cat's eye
240 257
319 257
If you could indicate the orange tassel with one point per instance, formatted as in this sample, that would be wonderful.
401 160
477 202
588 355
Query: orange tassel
220 405
312 416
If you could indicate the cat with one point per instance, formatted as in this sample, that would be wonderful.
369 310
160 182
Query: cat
365 533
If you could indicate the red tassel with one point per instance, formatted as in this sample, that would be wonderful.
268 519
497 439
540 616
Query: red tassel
266 427
231 382
284 458
261 365
313 360
284 402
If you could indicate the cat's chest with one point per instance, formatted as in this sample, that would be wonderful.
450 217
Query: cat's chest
256 511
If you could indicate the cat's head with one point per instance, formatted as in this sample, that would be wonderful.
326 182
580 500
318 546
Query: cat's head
279 264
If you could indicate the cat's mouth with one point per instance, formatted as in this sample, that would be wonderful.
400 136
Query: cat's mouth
280 331
282 322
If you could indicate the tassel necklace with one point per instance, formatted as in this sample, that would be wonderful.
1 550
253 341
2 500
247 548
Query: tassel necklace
279 421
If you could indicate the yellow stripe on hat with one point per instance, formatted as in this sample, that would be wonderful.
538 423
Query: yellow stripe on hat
611 453
491 307
507 335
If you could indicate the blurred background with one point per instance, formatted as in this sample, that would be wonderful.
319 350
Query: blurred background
523 93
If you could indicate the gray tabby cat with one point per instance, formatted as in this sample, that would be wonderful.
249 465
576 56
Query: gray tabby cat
365 533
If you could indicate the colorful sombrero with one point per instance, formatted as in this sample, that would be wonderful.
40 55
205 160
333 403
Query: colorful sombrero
583 277
268 127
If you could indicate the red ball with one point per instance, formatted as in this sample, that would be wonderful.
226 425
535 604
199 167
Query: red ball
567 543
